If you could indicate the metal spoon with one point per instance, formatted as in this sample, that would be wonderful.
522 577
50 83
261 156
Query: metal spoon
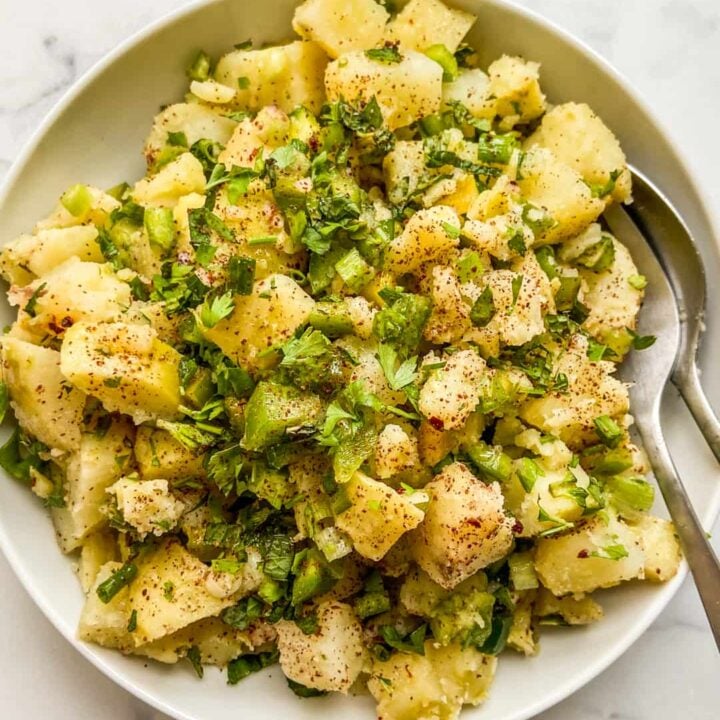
650 372
672 242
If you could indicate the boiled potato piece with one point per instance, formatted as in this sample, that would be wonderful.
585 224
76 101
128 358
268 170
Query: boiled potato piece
515 85
661 547
405 91
196 121
450 315
269 316
171 591
125 366
160 456
422 23
579 138
452 392
72 292
330 659
592 391
45 404
340 26
377 516
573 609
147 505
434 685
465 527
101 459
180 177
599 553
395 451
424 238
97 549
472 89
560 190
31 256
403 167
106 623
286 76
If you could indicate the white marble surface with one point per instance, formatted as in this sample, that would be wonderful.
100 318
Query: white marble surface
670 49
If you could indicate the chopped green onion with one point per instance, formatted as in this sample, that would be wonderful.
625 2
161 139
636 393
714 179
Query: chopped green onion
639 282
522 571
263 240
160 227
528 472
445 59
199 69
355 272
122 577
490 460
331 319
630 493
545 256
608 430
77 200
241 275
567 293
483 309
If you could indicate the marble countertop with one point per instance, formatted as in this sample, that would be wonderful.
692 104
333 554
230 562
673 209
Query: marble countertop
670 49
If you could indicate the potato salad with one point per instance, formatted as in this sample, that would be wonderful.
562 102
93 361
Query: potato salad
333 384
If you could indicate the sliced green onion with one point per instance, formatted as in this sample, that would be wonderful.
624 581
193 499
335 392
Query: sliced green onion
160 227
372 604
77 200
122 577
545 256
633 493
528 471
522 571
355 272
639 282
199 69
263 240
491 461
446 60
567 293
609 432
331 319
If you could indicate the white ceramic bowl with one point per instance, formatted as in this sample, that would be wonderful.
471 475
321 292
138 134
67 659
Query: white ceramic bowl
95 134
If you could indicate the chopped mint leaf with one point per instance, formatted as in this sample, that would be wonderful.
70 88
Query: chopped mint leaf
388 54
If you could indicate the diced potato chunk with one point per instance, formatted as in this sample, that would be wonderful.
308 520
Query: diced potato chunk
425 238
170 592
600 553
452 392
422 23
613 302
72 292
36 255
377 517
45 404
579 138
180 177
330 659
286 76
196 121
403 167
450 315
465 527
97 549
106 623
592 391
552 185
100 460
573 609
515 84
100 208
125 366
395 451
212 92
147 505
269 316
661 547
472 89
340 26
159 455
405 91
434 685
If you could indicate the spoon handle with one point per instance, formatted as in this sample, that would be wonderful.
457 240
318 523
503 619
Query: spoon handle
698 552
686 379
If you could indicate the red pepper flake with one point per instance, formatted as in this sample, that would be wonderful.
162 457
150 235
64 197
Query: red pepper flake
437 423
517 527
474 522
583 554
67 321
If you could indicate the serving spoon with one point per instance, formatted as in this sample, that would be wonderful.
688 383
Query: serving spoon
677 326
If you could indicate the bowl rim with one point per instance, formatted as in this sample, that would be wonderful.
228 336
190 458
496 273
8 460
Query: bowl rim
664 596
